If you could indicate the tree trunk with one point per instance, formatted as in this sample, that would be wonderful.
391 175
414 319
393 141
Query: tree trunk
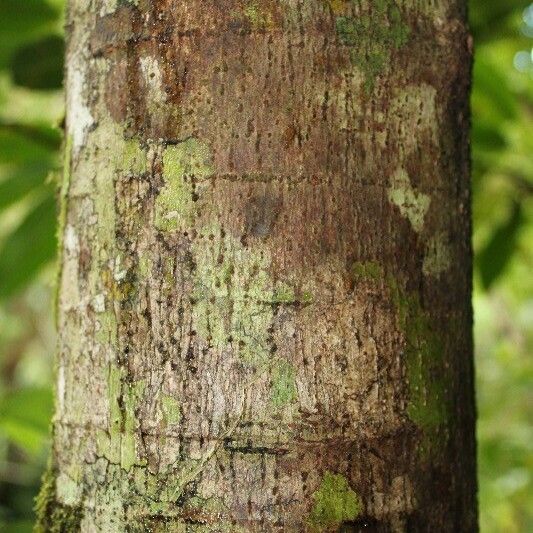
264 304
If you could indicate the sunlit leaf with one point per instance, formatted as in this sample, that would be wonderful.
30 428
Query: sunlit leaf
28 248
492 98
19 526
25 417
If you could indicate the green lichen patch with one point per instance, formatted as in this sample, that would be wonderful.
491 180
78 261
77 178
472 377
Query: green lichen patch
284 294
413 205
183 165
335 502
133 160
283 389
428 403
131 397
107 328
368 270
259 18
212 505
53 516
372 36
232 294
307 298
339 7
170 409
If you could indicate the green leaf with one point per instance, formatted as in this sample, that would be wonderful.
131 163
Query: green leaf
22 144
27 15
39 65
492 98
23 20
493 259
487 137
22 180
19 526
489 18
25 417
28 248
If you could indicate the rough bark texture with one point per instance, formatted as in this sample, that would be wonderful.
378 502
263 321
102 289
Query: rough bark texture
264 304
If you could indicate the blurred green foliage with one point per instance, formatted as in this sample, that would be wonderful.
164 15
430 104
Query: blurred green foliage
31 107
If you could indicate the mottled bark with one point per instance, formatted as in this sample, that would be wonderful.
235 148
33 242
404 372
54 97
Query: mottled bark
264 304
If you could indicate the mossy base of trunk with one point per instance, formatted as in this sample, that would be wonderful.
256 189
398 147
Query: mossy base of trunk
52 516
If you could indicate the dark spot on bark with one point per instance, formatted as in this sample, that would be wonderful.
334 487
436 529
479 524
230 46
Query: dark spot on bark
112 30
84 260
289 135
117 94
261 213
365 523
249 448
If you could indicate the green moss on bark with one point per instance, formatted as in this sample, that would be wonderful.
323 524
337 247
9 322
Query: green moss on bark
283 389
428 404
335 502
369 270
259 18
424 355
53 516
372 36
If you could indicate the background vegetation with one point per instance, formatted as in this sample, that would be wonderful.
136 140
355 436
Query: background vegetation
31 109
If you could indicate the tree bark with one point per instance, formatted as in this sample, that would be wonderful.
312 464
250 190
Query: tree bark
264 301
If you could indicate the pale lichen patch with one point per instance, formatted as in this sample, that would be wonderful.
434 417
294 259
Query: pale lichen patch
110 6
80 118
170 409
413 205
68 491
233 292
415 110
52 515
118 444
153 80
